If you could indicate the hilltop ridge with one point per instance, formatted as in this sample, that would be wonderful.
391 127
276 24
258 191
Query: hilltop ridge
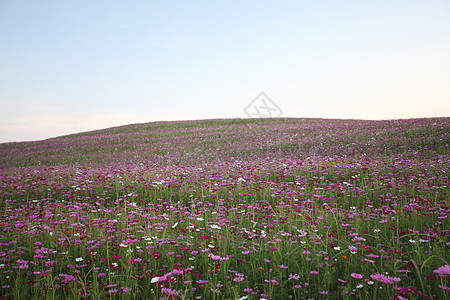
171 141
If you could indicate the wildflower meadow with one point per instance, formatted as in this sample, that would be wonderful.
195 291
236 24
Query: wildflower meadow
229 209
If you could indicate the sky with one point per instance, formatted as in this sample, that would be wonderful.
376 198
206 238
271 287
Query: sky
74 66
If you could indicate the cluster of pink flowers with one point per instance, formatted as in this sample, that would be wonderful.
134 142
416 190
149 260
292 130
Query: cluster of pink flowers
384 279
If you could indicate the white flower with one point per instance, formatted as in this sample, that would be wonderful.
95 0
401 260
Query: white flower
370 282
79 259
359 286
175 225
154 279
200 219
337 248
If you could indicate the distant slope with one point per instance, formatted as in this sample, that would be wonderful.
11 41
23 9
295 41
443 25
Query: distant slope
228 139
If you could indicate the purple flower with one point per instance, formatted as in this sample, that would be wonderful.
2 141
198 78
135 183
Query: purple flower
356 275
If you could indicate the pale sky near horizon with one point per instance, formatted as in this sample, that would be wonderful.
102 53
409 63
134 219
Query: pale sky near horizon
73 66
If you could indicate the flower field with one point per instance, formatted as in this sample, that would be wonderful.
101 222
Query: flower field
229 209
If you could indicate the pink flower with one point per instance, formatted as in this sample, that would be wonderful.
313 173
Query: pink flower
202 281
352 248
384 279
445 288
356 275
443 271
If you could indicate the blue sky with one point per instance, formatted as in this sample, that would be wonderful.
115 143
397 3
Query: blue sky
72 66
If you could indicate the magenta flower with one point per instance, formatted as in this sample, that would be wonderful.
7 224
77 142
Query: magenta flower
50 263
356 275
273 281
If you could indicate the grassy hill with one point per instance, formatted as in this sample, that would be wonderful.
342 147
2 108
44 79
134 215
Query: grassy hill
209 140
229 209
